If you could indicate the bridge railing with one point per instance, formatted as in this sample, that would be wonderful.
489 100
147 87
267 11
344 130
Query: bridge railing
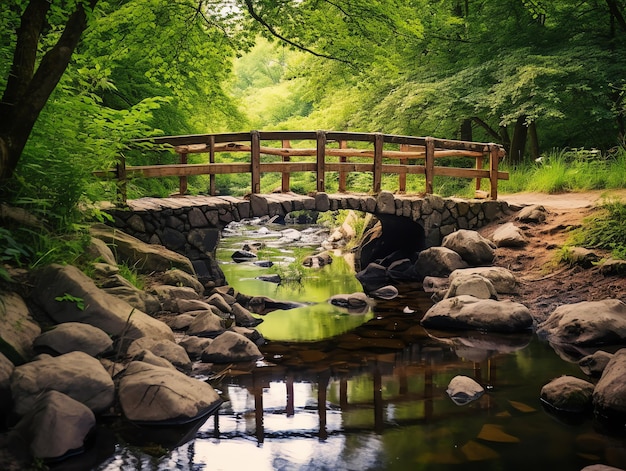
413 155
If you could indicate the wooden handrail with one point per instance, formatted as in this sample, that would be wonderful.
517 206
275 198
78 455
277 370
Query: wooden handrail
424 149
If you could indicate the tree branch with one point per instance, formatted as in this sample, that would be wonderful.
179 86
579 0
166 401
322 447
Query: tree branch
276 34
614 9
32 22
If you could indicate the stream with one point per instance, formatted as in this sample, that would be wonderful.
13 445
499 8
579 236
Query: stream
366 390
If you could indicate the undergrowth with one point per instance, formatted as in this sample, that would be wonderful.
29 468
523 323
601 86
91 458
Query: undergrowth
605 230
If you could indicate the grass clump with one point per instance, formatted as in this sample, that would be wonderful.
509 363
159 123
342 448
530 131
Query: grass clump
605 230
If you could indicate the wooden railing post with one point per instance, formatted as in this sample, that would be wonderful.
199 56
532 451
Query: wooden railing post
402 174
479 166
378 161
321 161
494 159
182 181
342 173
212 161
429 164
255 156
285 180
121 178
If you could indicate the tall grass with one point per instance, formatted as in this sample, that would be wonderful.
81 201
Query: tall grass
568 170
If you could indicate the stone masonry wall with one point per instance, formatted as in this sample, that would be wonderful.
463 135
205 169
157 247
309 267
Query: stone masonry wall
191 225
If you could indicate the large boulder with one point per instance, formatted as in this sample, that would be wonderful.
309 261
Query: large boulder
593 365
73 336
77 374
438 262
56 426
244 317
177 277
586 323
207 324
503 280
534 213
194 345
473 285
475 249
17 329
167 349
146 258
509 235
568 394
609 395
470 313
124 289
231 347
68 295
150 393
373 276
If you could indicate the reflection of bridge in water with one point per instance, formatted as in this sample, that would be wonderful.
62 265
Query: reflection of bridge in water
404 367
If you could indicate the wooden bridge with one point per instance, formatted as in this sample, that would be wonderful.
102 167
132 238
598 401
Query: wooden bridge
332 151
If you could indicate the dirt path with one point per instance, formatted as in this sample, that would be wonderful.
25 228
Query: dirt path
544 283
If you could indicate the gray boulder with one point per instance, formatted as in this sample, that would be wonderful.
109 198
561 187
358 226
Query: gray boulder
194 346
148 357
154 394
463 390
475 249
609 395
207 324
167 349
470 313
172 297
137 298
74 336
568 394
509 235
434 284
147 258
373 276
534 213
473 285
244 317
350 301
77 374
593 365
180 321
231 347
385 292
502 279
177 277
438 262
66 294
99 250
56 426
586 323
219 302
17 329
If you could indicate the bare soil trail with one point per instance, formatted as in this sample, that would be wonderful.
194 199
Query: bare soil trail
545 284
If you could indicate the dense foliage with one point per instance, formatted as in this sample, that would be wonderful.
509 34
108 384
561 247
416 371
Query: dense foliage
81 78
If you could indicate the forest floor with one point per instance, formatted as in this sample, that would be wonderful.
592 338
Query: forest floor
545 284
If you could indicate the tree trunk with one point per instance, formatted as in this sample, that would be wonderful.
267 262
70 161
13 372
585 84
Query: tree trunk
534 140
518 142
466 130
28 90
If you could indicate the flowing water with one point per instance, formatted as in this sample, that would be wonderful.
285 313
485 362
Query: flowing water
366 390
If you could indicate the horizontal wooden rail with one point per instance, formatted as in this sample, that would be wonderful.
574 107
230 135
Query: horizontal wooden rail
330 154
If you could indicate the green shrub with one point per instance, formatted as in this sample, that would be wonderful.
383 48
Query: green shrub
605 230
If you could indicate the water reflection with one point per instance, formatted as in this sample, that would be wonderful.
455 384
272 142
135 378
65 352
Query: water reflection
367 392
